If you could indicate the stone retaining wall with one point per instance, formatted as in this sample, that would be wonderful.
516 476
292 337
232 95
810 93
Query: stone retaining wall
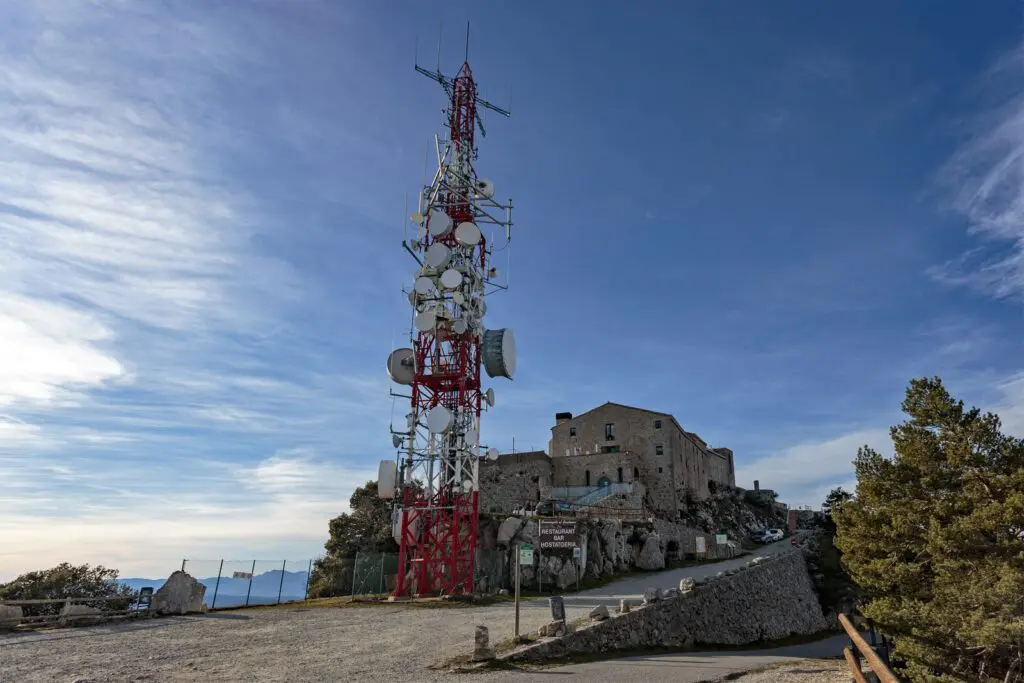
767 599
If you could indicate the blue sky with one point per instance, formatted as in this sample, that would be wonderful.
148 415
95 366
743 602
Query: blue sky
764 218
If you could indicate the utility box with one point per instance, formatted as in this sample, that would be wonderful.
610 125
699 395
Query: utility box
557 608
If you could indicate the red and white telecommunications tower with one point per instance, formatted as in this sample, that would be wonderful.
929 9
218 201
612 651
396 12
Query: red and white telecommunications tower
434 481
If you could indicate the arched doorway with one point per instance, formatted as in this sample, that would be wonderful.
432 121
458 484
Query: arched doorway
603 482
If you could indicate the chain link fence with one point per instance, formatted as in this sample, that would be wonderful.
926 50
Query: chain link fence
236 583
239 583
377 573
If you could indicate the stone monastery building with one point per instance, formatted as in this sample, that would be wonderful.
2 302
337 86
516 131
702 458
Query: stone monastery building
615 461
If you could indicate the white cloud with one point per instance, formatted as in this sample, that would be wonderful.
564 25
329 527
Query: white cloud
145 364
1010 407
801 472
804 474
988 177
83 512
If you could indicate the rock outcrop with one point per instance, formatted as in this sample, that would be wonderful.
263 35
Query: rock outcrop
180 594
651 557
761 602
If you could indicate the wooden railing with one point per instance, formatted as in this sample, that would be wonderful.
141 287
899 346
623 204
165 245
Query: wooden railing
860 648
135 608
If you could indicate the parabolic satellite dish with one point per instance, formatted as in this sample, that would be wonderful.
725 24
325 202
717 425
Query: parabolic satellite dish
484 188
499 353
451 279
492 453
439 419
467 234
489 397
402 366
423 285
437 255
439 223
460 326
426 321
472 437
387 478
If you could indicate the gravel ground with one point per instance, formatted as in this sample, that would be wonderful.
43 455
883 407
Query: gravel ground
375 643
807 671
378 643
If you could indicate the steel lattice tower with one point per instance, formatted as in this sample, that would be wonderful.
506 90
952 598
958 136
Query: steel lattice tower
435 478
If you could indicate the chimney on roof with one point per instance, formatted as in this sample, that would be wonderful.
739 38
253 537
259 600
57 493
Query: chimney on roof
757 485
562 417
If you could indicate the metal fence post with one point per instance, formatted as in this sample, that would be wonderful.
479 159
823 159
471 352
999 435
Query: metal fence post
381 590
280 586
217 585
355 572
249 589
309 575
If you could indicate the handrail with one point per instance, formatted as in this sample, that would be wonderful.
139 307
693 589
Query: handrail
52 601
878 667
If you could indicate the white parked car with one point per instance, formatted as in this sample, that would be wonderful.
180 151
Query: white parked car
773 535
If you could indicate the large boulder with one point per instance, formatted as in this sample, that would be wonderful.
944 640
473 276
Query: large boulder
650 556
10 616
180 594
567 575
508 529
594 553
609 531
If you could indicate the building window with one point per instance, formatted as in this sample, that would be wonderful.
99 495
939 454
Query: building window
587 476
620 475
609 431
657 424
572 431
659 470
609 449
636 473
659 450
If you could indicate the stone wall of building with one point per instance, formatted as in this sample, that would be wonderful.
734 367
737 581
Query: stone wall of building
668 459
512 480
574 471
639 433
768 599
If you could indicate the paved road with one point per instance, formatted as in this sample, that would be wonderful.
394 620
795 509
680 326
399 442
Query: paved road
580 604
692 667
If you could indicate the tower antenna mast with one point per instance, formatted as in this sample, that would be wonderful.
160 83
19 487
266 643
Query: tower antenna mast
435 482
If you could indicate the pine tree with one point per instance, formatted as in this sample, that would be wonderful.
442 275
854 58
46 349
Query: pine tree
933 536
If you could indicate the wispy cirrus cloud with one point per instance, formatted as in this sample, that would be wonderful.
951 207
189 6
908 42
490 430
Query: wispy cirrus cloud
156 376
987 175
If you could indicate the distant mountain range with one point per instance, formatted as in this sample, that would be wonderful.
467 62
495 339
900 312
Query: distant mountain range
231 592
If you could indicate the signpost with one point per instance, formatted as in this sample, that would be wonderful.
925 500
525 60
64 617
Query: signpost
558 534
524 556
577 555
